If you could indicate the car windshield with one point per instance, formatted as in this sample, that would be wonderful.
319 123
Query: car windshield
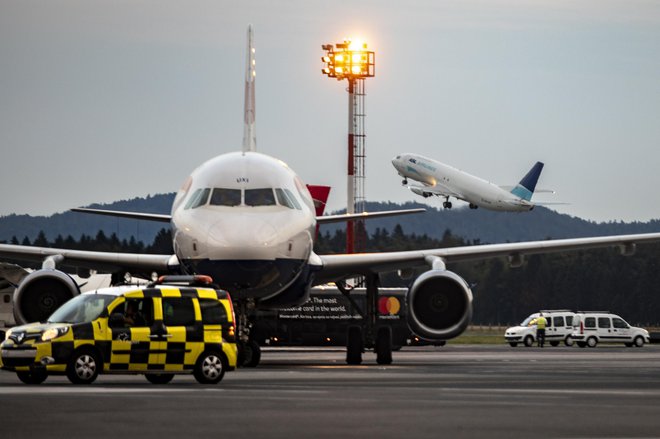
81 309
531 320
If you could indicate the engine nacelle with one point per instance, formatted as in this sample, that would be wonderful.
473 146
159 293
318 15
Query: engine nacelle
439 305
41 293
420 191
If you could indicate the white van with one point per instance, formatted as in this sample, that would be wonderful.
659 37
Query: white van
593 327
558 329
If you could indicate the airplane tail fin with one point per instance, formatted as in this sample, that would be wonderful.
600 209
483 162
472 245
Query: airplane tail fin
525 189
249 130
320 196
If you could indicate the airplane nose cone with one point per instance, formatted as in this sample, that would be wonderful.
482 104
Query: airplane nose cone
244 237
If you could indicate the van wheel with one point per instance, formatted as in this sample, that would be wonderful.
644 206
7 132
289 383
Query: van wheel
529 341
84 366
639 341
554 343
592 342
210 367
33 377
582 344
159 378
513 344
568 341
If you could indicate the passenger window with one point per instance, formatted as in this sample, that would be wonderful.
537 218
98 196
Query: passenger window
590 322
213 312
259 197
604 322
558 321
178 311
619 323
226 197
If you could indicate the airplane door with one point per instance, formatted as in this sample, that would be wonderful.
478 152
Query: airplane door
184 331
131 345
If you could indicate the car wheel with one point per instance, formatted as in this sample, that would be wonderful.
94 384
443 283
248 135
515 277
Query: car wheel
84 366
33 377
592 342
554 343
159 378
639 341
529 341
568 341
513 344
581 344
210 367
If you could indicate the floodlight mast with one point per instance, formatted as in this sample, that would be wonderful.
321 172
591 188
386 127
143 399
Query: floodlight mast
352 61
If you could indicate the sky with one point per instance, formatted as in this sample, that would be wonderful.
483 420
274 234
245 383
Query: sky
108 100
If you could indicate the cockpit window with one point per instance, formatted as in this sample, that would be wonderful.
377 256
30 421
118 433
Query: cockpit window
226 197
259 197
292 198
198 198
284 199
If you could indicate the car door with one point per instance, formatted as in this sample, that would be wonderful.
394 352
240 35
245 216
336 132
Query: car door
131 346
605 329
182 321
621 329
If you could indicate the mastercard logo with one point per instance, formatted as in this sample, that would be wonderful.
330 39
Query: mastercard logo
388 306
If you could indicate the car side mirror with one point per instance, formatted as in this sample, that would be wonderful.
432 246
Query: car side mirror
116 321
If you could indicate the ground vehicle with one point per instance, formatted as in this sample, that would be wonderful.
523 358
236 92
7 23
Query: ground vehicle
593 327
187 327
558 329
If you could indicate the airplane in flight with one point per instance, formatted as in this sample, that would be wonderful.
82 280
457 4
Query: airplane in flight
247 219
440 179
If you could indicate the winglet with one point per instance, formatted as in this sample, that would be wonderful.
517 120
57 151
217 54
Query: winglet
249 131
525 189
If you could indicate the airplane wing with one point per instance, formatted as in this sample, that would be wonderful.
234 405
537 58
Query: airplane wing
365 215
436 189
337 267
133 215
104 261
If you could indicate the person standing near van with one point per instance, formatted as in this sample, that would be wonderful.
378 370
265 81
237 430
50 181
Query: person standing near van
541 322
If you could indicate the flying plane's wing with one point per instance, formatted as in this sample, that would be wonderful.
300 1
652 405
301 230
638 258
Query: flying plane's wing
105 261
436 189
337 267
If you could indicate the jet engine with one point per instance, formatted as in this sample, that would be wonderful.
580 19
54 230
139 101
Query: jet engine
439 305
420 191
41 293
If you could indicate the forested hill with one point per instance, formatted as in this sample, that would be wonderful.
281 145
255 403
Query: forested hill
472 225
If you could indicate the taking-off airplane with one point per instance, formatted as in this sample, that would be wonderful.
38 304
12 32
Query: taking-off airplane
247 220
440 179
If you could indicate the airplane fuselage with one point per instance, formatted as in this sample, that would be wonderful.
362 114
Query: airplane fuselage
247 220
439 178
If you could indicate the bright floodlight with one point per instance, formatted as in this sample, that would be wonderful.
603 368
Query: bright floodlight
348 60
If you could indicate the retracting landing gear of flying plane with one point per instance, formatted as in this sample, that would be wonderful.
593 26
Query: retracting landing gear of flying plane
473 206
446 204
369 335
249 352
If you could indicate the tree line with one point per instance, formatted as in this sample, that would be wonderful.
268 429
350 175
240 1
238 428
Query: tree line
599 279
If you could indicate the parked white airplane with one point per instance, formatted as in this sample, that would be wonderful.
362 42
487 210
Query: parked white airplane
247 219
440 179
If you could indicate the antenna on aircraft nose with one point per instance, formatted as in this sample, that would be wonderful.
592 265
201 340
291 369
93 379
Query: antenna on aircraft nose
249 130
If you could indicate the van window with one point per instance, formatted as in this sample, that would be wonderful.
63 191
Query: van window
558 321
213 312
619 323
590 322
178 311
604 322
569 321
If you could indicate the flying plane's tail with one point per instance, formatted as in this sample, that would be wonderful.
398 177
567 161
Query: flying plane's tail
525 189
249 130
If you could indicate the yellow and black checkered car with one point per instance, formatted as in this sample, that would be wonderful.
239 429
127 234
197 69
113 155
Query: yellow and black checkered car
159 330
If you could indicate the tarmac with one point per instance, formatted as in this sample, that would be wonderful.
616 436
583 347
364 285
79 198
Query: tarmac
455 391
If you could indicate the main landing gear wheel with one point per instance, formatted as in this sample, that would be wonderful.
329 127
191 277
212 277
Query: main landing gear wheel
447 204
404 182
384 345
354 345
249 354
